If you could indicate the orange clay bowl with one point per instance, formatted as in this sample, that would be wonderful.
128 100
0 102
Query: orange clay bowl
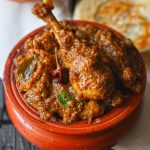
101 134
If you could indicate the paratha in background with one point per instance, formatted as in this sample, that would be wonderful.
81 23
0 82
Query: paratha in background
129 17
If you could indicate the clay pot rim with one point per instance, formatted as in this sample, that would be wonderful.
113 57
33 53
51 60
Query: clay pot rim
106 121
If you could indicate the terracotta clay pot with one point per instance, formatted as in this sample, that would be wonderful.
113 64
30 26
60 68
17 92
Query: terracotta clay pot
101 134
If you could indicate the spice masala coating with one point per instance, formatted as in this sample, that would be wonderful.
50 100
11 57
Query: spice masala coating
75 72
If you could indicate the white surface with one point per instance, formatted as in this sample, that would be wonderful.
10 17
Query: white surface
16 20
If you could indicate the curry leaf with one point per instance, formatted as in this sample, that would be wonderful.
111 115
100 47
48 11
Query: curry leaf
64 97
27 68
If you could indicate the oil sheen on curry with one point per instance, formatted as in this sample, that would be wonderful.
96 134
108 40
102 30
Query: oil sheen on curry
72 72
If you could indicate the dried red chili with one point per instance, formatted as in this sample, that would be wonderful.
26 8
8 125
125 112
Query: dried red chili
61 74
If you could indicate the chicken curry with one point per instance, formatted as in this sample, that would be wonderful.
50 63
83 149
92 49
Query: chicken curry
75 72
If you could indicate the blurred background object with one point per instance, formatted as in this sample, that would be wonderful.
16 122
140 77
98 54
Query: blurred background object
130 17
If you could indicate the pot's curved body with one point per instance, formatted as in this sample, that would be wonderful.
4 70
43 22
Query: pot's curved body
49 140
101 134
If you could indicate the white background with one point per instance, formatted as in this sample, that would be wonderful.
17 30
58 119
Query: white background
16 20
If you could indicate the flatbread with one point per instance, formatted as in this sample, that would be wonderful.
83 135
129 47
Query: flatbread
129 17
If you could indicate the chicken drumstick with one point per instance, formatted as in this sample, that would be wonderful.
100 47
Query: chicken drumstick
90 78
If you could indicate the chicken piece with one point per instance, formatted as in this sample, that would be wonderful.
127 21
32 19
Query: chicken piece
92 110
70 46
92 83
44 41
79 57
117 99
36 96
122 57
